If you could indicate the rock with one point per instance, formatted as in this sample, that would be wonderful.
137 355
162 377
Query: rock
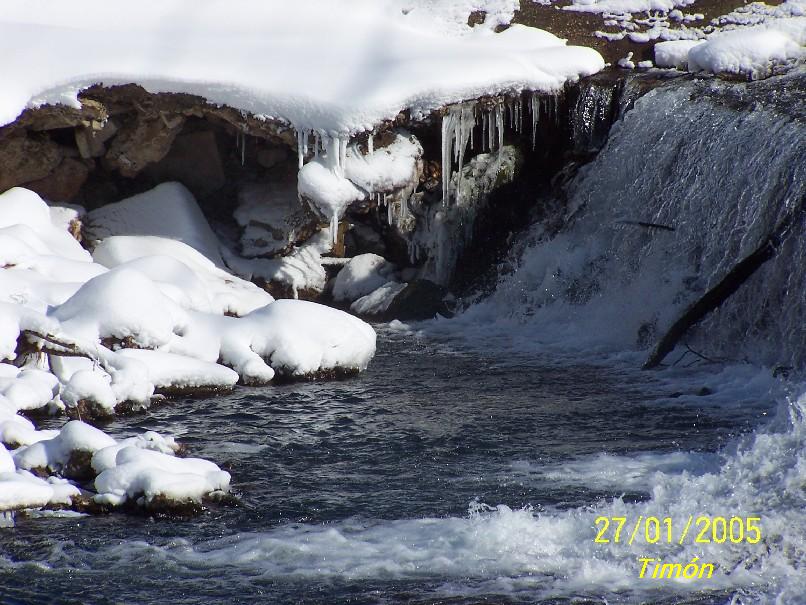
64 183
194 161
27 158
91 138
143 142
421 299
444 232
360 276
376 303
361 238
272 218
272 156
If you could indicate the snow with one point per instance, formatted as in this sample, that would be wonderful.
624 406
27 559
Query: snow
387 168
157 294
168 210
360 276
328 190
674 53
23 490
625 6
146 473
271 216
126 469
310 63
53 454
168 370
121 304
90 385
183 274
751 51
26 389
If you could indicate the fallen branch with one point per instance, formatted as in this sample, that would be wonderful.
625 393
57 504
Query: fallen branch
647 225
737 276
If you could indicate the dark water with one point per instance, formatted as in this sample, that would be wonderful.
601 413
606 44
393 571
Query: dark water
424 432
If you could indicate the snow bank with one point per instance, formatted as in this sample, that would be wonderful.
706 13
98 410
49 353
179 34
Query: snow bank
751 51
360 276
311 63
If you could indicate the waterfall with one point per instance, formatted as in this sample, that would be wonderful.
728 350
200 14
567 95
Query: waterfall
715 166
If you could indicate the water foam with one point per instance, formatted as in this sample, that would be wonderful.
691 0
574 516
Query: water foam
549 553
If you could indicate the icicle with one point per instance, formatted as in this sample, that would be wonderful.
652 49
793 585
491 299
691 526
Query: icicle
389 213
336 150
300 154
371 143
342 154
499 124
334 227
447 141
317 142
243 148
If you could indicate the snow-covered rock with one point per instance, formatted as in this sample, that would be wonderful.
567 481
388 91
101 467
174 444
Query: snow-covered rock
751 51
360 276
377 302
674 53
272 218
171 373
148 474
121 304
56 454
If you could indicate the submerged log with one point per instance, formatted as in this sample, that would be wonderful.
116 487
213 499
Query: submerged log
737 276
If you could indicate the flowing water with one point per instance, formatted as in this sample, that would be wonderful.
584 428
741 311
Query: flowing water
470 462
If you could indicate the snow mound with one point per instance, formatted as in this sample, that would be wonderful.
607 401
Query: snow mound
21 489
168 210
311 63
26 389
121 304
183 274
674 53
751 51
143 473
360 276
55 454
168 371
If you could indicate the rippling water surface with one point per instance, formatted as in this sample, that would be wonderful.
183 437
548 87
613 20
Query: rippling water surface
440 473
